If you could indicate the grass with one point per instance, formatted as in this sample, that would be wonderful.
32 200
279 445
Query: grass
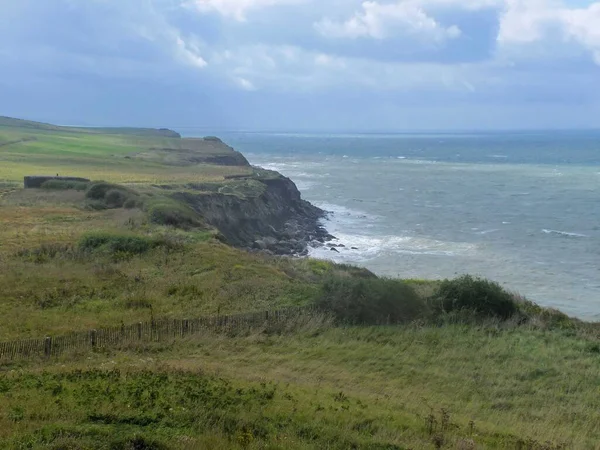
441 373
317 386
100 156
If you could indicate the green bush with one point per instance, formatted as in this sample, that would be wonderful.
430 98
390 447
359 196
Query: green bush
117 242
482 297
131 203
165 211
370 301
98 190
63 185
123 245
103 195
115 198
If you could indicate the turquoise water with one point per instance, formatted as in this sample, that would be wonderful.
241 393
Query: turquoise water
522 209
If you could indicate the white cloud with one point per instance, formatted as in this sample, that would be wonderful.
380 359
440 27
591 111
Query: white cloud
188 52
245 84
470 5
236 9
381 21
293 69
546 22
324 60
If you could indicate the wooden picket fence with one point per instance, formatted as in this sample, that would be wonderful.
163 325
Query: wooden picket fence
151 331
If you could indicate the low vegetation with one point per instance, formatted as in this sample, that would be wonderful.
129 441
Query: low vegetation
373 301
167 211
64 185
475 296
378 364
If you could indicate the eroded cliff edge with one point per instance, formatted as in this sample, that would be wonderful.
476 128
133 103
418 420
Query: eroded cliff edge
263 211
256 209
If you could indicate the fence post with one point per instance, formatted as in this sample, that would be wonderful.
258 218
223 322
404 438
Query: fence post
186 325
93 338
267 316
47 346
139 330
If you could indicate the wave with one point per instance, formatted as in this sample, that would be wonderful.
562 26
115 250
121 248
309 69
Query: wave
564 233
359 245
304 186
362 248
342 215
488 231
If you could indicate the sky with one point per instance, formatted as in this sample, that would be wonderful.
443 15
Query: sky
303 65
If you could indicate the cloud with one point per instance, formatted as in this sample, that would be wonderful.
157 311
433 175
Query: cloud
110 37
189 52
380 21
544 23
236 9
244 83
315 59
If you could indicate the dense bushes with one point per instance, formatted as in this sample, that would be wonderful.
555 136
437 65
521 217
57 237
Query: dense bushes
166 211
103 195
482 297
379 301
370 301
63 185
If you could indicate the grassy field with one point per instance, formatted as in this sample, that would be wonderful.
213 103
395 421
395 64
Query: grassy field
316 386
527 379
26 150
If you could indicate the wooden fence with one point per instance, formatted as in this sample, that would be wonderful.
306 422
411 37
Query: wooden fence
152 331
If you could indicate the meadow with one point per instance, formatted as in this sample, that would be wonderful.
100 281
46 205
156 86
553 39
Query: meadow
384 364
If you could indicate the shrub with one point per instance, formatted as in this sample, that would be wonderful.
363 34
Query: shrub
115 198
103 195
172 213
130 203
65 185
370 301
97 191
122 246
117 242
483 297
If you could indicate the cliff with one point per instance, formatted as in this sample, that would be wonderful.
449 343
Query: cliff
276 219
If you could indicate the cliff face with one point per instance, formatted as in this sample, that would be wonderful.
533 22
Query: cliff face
277 220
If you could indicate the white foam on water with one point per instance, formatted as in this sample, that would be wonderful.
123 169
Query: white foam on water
564 233
305 185
342 216
349 226
489 231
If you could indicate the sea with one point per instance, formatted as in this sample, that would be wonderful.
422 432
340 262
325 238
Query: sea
520 208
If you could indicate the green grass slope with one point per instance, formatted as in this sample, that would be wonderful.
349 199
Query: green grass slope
384 364
10 122
119 155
